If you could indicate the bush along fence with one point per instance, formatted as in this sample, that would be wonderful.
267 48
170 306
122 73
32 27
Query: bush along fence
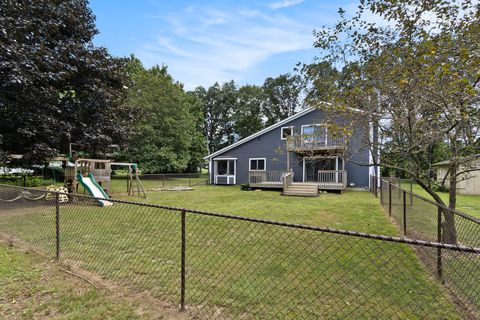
218 266
421 218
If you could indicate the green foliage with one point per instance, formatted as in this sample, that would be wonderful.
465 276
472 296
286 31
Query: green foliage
232 113
167 136
57 87
416 79
283 97
25 180
245 187
218 103
247 115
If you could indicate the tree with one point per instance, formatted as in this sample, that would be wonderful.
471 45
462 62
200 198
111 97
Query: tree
165 137
248 110
56 87
218 106
198 148
283 97
415 78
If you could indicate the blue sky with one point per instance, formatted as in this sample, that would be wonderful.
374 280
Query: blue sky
202 42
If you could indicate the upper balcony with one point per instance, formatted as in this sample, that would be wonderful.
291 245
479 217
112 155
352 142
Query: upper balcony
316 143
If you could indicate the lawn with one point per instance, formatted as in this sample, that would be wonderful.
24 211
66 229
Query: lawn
241 269
469 204
351 210
31 288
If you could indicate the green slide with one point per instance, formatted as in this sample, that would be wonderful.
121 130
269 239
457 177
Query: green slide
95 190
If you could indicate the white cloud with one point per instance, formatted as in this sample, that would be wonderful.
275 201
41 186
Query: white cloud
284 4
207 45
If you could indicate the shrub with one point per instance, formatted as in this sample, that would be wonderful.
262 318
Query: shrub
245 187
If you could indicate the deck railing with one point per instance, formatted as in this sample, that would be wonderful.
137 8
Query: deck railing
304 142
266 177
332 179
287 179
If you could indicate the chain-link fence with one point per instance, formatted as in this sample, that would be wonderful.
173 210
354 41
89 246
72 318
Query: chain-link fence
421 218
218 266
165 181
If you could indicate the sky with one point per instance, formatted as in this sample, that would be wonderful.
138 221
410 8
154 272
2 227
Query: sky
203 42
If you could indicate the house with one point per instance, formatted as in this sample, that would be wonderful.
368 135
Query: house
296 153
468 182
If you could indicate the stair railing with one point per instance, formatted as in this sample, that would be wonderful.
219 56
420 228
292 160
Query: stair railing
287 179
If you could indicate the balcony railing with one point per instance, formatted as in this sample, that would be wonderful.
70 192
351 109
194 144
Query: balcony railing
304 143
332 179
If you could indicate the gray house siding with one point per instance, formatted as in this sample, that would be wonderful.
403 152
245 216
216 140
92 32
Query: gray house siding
270 146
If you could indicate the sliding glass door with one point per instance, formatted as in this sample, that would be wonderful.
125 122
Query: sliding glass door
311 166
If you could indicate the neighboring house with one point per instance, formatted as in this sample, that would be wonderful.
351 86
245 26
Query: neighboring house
298 150
469 182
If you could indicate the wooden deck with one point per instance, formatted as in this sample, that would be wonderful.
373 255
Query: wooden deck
273 179
279 185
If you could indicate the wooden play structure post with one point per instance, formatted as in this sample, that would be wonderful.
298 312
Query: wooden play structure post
99 168
134 185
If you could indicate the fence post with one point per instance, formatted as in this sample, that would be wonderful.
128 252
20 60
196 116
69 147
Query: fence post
381 191
389 198
404 213
439 239
375 184
163 175
57 226
189 178
182 263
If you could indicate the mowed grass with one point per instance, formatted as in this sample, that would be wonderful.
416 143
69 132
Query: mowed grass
351 210
236 268
469 204
31 288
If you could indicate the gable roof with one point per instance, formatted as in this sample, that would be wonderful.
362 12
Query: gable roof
464 159
259 133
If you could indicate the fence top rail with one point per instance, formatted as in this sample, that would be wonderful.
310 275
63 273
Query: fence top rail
357 234
459 213
173 174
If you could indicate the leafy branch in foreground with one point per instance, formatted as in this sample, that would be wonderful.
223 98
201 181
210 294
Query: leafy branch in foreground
415 75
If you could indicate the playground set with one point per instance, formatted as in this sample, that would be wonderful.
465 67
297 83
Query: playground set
94 175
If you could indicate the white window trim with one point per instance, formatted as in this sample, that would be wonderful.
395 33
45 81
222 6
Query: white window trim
317 125
250 164
314 125
228 176
281 132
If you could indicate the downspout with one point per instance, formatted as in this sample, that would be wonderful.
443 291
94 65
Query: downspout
210 170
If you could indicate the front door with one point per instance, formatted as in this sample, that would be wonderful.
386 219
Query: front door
311 166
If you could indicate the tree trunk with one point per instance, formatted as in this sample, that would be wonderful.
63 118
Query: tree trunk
449 234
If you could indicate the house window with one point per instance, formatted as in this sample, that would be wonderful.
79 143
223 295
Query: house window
286 132
257 164
225 167
314 133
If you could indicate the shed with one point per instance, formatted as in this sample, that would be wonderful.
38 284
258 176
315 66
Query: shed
469 182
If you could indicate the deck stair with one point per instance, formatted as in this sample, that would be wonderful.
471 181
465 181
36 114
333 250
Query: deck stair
301 190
